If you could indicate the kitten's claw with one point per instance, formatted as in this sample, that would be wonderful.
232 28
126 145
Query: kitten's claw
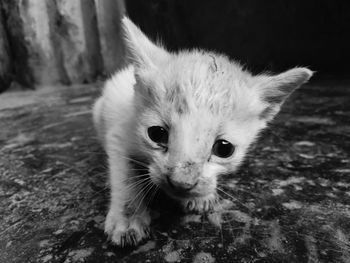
126 232
130 236
200 205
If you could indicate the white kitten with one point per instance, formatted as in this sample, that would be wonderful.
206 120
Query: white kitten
185 118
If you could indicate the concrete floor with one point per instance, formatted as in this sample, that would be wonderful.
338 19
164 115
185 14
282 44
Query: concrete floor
290 202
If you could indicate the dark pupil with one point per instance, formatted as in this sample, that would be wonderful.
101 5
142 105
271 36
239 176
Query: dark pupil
158 134
223 149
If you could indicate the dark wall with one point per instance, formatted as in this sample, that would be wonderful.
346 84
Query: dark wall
264 35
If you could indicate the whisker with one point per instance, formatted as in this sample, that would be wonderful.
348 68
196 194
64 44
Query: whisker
152 196
149 187
131 180
99 174
238 189
98 192
135 161
125 157
143 195
145 185
233 198
156 188
138 176
224 219
137 183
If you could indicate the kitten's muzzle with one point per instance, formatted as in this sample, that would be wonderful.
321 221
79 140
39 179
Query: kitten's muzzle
180 185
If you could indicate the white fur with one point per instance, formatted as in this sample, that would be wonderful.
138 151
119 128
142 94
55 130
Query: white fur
199 97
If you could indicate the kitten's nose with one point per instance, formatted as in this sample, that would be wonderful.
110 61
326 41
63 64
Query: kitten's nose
181 185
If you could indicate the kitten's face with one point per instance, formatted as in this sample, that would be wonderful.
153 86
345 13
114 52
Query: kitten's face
198 112
194 129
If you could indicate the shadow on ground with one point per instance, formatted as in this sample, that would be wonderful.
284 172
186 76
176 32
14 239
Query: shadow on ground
290 202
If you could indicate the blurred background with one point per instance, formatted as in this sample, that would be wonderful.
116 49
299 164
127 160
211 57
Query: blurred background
79 41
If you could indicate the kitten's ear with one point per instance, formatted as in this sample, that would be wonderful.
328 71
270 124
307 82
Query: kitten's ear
141 50
274 90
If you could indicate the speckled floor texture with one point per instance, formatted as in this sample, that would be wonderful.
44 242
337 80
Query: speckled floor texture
290 202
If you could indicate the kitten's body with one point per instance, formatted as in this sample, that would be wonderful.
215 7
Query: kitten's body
210 111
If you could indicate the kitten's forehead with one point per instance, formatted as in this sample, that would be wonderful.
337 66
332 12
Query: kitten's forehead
198 66
199 79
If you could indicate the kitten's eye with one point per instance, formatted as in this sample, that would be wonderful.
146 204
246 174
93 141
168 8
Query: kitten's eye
223 149
158 134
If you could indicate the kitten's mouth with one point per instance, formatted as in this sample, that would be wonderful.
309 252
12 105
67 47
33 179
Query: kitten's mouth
178 194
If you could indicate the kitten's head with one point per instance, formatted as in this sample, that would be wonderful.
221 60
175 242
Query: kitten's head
198 112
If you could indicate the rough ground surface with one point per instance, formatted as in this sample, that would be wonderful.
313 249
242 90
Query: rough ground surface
289 203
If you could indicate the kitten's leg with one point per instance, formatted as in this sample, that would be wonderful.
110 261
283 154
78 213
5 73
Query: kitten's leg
124 225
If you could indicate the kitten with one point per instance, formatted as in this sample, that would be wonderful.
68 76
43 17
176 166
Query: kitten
186 118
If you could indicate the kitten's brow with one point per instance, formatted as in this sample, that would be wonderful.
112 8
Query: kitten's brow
177 97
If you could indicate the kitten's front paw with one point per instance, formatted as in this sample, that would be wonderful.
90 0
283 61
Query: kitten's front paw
127 232
200 205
